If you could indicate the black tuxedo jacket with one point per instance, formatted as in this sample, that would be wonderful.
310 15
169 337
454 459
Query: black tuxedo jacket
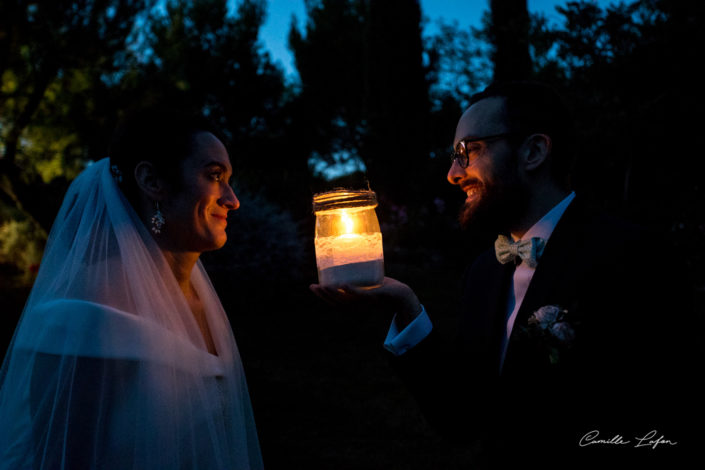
627 372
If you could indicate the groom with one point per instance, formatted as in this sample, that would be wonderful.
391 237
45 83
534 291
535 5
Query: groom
575 337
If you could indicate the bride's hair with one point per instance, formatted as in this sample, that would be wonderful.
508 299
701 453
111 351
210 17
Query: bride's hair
162 136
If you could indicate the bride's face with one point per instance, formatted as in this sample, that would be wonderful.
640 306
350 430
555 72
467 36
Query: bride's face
196 211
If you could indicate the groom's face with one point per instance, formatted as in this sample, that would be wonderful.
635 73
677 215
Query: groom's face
494 192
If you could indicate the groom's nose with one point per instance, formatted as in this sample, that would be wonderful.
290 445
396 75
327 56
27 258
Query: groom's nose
455 173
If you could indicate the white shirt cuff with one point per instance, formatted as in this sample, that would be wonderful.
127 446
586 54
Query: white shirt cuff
400 342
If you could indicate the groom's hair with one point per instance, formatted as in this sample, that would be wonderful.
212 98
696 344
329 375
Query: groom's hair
536 108
161 135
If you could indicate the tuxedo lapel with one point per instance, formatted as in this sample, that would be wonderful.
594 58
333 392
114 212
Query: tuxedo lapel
552 281
556 265
484 300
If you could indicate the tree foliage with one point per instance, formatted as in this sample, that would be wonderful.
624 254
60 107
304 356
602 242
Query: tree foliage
203 57
364 87
373 90
509 34
54 57
631 73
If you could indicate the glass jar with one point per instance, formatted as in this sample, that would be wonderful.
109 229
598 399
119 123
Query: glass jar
348 239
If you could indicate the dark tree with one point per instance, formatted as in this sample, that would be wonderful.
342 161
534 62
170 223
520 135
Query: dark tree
632 74
213 62
509 33
397 145
330 58
55 60
364 89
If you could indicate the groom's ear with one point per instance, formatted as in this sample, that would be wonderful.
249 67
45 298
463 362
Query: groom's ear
148 181
536 150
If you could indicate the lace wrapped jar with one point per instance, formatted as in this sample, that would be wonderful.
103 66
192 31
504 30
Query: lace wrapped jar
348 239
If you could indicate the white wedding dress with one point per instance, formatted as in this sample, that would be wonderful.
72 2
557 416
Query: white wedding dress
108 368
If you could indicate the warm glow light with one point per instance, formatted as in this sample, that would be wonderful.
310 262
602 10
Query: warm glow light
348 222
348 240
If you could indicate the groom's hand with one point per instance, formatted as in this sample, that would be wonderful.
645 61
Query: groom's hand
392 296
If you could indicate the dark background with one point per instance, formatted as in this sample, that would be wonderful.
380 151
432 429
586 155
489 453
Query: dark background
372 89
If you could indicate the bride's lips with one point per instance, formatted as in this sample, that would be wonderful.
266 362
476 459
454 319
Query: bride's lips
222 217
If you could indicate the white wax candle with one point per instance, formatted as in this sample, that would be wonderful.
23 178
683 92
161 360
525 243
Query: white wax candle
353 258
348 248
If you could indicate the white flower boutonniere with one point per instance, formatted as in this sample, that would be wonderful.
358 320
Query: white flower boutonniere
551 323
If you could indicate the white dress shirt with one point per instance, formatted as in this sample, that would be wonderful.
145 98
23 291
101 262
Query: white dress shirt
398 342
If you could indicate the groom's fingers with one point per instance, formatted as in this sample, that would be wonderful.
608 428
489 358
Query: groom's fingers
330 294
342 296
321 294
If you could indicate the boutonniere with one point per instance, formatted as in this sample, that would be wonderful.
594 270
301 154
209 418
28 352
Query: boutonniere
552 324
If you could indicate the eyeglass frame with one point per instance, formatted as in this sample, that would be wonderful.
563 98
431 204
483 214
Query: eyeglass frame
455 155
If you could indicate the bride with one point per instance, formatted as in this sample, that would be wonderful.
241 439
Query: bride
123 357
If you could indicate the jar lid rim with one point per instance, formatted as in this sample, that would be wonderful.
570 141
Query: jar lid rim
342 197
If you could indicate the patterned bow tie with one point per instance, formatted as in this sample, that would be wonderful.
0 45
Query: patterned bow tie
527 250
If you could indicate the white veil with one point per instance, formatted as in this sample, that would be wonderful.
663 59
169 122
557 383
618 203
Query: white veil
107 367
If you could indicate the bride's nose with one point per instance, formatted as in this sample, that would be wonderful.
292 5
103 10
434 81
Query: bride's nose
229 199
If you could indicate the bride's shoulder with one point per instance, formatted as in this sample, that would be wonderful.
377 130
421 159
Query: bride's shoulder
73 307
72 326
75 314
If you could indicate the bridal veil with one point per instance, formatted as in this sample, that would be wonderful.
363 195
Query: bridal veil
107 368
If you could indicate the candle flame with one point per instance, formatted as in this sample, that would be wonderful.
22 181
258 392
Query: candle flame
348 222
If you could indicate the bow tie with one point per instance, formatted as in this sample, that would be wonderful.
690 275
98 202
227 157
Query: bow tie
527 250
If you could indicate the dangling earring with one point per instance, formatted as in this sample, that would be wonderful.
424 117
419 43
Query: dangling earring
157 221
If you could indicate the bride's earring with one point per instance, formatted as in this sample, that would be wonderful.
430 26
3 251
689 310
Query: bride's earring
157 221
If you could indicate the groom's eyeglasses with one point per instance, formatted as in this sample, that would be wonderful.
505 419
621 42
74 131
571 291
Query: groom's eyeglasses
468 150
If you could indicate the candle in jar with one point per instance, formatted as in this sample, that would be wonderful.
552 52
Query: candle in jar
349 256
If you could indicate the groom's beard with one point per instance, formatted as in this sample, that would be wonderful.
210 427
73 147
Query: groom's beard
499 204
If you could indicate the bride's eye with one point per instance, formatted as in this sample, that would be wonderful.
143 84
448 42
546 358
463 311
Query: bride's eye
216 176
